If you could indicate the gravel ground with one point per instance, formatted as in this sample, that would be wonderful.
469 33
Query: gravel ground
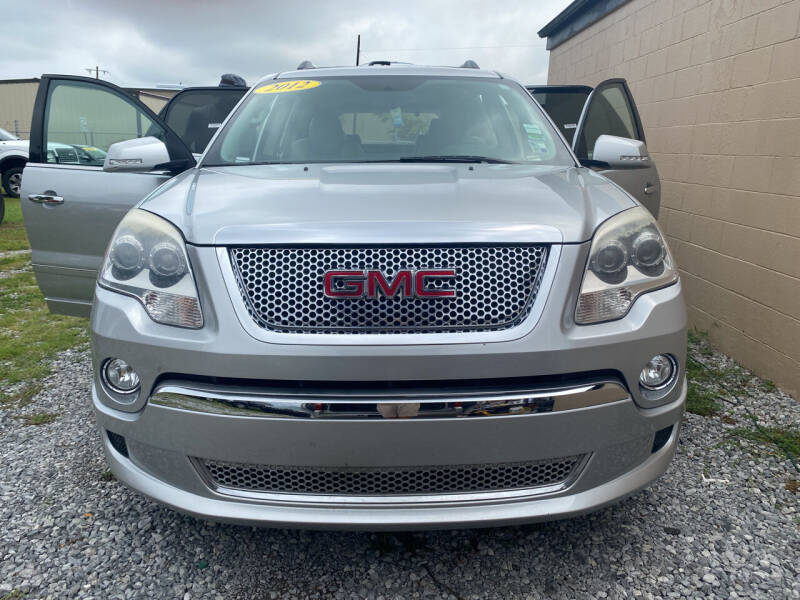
720 524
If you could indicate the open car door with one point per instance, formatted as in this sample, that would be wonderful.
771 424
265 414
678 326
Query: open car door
71 207
583 114
196 113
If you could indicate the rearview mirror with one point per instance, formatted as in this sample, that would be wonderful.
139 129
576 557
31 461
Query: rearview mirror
138 155
620 153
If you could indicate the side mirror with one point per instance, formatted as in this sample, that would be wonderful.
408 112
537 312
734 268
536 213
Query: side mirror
139 155
619 152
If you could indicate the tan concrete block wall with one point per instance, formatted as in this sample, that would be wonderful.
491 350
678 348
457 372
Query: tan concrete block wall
717 83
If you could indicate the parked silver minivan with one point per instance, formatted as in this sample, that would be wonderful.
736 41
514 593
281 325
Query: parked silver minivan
383 297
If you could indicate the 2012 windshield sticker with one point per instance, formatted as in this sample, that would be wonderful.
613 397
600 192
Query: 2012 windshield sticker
288 86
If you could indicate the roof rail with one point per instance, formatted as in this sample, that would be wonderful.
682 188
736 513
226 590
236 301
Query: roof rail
306 64
469 64
384 63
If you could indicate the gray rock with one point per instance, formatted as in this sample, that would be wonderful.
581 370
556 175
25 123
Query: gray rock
720 523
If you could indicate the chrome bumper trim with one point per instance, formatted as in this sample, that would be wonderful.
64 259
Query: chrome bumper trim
386 405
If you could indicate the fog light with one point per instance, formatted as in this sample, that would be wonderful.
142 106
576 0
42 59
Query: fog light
120 376
658 372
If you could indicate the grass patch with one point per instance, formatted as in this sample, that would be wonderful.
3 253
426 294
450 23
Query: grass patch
40 418
768 386
13 595
785 439
15 262
707 381
699 339
12 230
29 334
107 475
701 401
701 397
21 397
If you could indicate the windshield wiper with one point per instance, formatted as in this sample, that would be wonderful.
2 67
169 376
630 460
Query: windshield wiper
459 158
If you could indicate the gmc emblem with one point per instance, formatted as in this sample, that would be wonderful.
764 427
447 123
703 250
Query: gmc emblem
373 284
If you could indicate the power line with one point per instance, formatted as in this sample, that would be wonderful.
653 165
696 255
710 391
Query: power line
96 71
453 48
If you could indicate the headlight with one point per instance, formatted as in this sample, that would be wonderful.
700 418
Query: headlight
147 260
628 258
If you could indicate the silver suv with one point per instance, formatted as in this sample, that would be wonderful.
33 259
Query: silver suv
384 297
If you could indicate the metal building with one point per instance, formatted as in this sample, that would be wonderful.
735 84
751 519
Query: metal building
17 97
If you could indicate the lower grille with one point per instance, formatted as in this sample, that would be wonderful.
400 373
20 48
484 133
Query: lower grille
390 481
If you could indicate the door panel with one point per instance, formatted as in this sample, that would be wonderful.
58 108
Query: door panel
642 183
610 109
69 240
71 207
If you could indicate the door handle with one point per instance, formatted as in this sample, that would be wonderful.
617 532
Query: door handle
49 198
649 188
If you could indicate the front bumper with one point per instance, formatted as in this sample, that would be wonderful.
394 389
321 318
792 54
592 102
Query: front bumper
584 496
165 444
616 438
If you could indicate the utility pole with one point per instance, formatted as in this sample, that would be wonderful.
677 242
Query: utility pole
358 57
97 70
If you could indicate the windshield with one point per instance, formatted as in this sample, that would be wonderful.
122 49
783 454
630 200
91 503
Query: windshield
6 136
388 119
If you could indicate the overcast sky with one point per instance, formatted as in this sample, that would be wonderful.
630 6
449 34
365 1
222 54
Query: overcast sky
168 42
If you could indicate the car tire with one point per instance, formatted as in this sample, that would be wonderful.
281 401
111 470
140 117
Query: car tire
12 181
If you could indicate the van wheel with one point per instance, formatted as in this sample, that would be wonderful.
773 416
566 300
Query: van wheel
12 181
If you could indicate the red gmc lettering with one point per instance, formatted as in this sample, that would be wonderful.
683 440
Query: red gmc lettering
423 292
375 280
350 284
353 284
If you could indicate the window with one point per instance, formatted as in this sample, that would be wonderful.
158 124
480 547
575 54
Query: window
387 118
195 115
82 121
564 105
609 113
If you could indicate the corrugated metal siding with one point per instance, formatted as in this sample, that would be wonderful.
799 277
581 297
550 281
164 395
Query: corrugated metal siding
17 97
153 103
16 106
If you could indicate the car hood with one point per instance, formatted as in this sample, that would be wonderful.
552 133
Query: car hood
387 203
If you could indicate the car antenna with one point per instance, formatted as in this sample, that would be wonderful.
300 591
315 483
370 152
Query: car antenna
469 64
306 64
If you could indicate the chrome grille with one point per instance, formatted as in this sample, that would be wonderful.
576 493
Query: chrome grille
393 481
283 288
